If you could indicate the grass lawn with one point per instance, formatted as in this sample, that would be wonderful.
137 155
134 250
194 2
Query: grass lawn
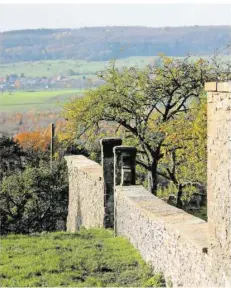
88 258
22 101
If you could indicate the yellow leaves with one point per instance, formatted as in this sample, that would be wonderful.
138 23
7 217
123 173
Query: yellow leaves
167 61
36 140
63 132
200 61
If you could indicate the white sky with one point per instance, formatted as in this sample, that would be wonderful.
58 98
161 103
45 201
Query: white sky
29 16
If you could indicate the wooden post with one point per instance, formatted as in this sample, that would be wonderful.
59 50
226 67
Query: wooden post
52 144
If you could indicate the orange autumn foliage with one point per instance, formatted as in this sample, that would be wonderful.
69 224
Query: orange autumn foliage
36 140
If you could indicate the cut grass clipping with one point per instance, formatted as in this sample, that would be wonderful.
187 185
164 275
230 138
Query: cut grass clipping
88 258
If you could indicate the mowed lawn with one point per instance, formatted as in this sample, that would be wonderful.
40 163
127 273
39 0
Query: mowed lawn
22 101
88 258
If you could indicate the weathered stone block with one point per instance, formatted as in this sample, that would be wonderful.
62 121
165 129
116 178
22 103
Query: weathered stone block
224 87
211 86
125 165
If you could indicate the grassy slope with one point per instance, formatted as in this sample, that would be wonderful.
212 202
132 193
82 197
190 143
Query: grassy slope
21 101
56 67
89 258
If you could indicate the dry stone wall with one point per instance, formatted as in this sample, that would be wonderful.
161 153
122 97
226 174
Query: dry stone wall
86 193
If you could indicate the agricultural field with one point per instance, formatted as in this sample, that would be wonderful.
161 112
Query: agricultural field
63 67
26 111
23 101
87 258
78 68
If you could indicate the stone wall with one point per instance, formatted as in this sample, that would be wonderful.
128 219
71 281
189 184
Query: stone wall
173 241
86 193
219 173
189 251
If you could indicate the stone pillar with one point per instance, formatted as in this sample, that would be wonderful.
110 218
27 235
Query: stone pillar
125 165
124 171
219 172
107 161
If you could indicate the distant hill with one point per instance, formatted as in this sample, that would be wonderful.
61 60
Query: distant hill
105 43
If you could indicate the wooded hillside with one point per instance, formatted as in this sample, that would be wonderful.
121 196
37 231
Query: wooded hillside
105 43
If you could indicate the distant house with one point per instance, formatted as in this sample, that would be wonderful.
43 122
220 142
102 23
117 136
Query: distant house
17 84
57 78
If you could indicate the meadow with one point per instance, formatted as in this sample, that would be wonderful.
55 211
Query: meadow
23 101
87 258
50 68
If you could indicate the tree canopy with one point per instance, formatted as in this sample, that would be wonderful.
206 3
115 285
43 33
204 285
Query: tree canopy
161 110
105 43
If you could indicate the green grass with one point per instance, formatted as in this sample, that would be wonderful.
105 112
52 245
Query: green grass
50 68
57 67
88 258
22 101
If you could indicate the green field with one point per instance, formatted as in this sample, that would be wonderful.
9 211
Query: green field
60 67
23 101
51 68
84 259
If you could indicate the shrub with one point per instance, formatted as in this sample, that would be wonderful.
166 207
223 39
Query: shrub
34 200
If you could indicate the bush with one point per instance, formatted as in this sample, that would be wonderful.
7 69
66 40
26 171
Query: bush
34 200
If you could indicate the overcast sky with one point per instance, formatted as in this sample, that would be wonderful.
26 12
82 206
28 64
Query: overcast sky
24 16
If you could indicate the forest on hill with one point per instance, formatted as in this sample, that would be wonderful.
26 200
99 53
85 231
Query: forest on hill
105 43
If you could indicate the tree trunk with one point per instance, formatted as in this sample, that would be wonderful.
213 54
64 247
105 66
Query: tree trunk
152 178
179 203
